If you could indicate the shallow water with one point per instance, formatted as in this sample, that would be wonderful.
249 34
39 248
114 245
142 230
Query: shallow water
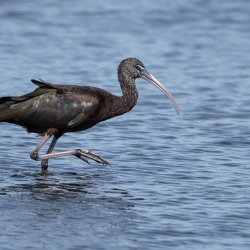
176 182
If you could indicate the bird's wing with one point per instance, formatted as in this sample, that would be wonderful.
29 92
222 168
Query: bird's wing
41 83
55 106
59 88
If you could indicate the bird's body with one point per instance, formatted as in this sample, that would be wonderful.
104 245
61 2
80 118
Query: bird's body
53 109
68 108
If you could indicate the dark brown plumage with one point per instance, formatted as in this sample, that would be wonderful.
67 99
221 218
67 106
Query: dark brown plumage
53 109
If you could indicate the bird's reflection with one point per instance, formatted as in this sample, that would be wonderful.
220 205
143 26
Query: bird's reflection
71 187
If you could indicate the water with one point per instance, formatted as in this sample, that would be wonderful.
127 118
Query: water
177 182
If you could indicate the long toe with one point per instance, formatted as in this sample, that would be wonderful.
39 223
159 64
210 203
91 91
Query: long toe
95 157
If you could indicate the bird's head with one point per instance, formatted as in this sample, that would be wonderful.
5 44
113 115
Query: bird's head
134 68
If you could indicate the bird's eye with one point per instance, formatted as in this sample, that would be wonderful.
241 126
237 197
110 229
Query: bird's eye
139 68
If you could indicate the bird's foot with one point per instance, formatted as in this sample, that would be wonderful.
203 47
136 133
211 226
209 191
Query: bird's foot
80 153
44 166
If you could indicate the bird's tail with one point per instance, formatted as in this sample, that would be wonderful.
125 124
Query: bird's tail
6 113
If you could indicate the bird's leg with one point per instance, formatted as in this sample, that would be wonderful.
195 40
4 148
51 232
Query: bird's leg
44 163
79 153
35 156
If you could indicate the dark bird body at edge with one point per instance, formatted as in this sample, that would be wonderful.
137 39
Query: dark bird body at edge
52 109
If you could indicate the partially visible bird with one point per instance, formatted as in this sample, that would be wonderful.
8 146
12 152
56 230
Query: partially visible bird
53 109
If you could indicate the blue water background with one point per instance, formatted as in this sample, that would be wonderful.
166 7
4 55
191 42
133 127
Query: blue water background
177 182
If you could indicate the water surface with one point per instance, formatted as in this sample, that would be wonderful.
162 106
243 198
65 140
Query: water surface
176 182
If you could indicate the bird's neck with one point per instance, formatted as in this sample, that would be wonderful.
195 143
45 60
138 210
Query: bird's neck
118 105
129 95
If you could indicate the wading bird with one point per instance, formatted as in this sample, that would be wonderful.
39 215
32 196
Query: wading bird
53 109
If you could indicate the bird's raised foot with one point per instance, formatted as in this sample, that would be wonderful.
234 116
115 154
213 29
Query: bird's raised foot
80 153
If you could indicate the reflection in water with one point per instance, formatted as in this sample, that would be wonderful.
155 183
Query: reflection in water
69 185
65 204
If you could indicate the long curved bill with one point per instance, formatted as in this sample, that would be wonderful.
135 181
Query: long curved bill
148 77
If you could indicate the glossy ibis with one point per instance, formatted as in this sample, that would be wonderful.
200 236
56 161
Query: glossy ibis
53 109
